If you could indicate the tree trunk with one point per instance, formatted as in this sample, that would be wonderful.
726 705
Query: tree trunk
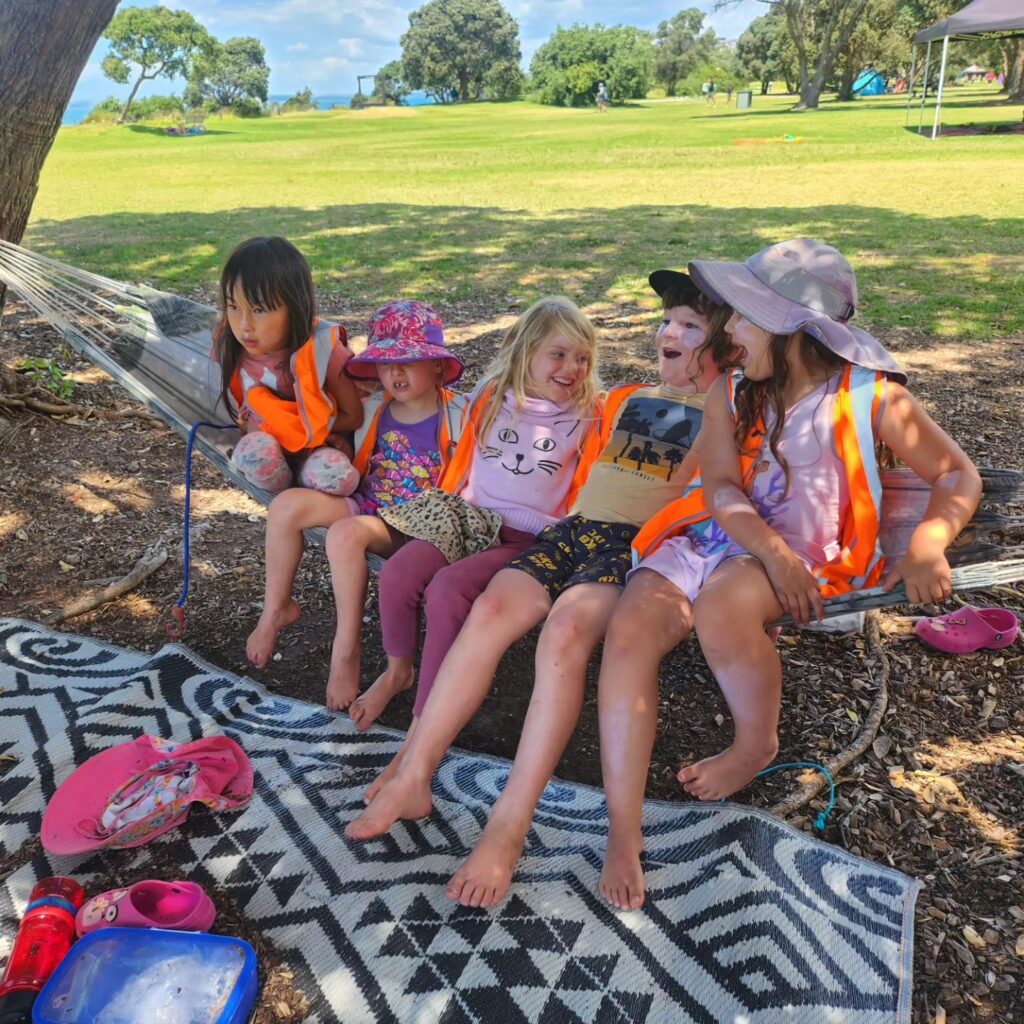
44 45
832 38
131 99
1015 79
846 83
464 85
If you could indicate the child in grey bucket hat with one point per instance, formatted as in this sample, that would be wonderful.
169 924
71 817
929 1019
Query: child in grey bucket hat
785 512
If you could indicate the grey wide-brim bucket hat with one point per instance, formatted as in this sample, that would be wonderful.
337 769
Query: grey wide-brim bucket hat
799 285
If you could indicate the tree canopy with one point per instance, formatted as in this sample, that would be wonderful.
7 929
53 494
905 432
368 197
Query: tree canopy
390 84
462 47
225 74
681 45
566 69
765 51
155 42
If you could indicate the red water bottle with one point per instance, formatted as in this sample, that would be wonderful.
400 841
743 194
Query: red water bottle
46 933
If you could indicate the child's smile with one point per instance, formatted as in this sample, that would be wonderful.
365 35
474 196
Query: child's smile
557 369
682 333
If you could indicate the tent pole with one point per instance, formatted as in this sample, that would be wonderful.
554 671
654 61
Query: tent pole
942 78
910 85
924 87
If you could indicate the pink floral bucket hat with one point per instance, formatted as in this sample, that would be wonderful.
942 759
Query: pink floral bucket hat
133 792
406 331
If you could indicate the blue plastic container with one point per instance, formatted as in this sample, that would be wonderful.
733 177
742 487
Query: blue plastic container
150 976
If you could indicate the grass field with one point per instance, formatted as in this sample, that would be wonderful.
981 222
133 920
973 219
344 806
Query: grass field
492 201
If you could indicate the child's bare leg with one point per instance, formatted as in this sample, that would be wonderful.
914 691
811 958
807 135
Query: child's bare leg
396 678
290 513
347 544
730 613
574 627
651 618
511 605
392 766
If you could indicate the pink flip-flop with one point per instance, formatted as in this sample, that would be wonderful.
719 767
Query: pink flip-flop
969 629
183 906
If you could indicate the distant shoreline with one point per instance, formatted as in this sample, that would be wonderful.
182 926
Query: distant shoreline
76 111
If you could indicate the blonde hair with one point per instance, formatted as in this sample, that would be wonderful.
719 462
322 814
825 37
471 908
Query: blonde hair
510 368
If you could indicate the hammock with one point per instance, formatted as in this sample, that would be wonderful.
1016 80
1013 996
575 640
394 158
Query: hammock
157 346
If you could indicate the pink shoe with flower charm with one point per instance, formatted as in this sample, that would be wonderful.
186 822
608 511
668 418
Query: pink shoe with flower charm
969 629
183 906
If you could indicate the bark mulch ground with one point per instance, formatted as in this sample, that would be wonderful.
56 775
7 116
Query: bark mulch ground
939 795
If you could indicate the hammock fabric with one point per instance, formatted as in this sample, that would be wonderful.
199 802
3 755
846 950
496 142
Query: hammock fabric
157 346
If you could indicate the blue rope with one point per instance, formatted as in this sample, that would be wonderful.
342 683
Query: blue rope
186 556
822 816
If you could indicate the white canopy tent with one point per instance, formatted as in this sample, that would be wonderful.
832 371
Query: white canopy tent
982 19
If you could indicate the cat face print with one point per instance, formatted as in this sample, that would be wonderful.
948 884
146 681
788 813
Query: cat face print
524 449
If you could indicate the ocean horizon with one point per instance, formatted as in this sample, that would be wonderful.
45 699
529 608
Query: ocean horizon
77 110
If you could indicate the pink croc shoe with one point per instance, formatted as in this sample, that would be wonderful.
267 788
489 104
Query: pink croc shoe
183 906
969 629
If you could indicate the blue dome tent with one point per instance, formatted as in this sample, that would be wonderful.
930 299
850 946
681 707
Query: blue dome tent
869 83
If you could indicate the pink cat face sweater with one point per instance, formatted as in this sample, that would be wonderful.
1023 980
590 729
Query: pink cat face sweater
524 470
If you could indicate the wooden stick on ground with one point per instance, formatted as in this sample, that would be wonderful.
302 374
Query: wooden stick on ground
863 739
59 408
148 563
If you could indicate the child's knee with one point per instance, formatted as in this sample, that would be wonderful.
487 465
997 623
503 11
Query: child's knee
726 621
489 607
566 635
345 537
329 471
261 460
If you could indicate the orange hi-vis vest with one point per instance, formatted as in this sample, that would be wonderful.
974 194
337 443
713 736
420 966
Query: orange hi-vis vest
449 426
860 561
306 420
454 477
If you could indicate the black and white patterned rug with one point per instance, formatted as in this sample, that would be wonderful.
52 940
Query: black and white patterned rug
747 919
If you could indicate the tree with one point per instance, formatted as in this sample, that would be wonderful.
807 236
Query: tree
227 73
820 31
159 42
765 51
680 47
44 45
455 44
390 84
566 69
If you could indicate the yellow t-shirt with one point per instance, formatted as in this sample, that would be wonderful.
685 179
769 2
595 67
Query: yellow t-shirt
635 475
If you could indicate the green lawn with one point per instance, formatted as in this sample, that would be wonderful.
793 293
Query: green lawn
483 202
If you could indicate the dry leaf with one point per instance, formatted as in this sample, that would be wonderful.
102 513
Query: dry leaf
853 716
881 746
65 566
1019 950
973 937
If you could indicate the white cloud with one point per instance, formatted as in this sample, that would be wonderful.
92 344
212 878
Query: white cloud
297 48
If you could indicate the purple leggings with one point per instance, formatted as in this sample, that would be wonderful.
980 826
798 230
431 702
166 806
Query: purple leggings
418 571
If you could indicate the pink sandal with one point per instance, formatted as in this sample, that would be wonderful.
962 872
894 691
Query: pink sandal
969 629
183 906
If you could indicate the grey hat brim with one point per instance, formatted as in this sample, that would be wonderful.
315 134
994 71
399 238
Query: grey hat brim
735 285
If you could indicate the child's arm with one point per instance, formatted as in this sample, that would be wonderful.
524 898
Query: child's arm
350 406
956 488
722 482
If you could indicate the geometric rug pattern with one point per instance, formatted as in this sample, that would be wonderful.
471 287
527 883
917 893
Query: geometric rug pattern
746 919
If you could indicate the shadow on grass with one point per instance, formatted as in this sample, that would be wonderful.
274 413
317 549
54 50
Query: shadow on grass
951 276
891 103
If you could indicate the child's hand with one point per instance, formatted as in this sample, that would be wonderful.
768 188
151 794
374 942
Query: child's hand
924 571
339 442
795 587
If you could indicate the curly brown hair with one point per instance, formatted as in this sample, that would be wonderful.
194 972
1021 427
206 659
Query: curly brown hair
718 345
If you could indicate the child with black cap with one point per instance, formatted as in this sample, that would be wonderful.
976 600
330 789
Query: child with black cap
572 575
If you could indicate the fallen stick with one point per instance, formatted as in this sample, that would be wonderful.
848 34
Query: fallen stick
862 740
148 563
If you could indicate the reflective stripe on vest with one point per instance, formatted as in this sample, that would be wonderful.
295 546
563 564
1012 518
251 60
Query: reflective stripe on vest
449 427
860 561
305 421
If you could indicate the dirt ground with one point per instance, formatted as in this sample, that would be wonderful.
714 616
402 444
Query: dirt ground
940 795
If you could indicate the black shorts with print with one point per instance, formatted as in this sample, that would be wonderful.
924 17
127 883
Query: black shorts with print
578 550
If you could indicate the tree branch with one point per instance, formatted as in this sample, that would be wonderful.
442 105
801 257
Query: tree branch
863 739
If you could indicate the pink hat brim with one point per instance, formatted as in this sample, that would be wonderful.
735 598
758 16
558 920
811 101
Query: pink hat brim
364 365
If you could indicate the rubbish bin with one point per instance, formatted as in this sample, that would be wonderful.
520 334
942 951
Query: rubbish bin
744 99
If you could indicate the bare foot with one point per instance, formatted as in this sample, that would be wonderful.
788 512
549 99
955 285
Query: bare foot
622 877
366 709
484 877
718 777
343 682
404 796
386 775
260 645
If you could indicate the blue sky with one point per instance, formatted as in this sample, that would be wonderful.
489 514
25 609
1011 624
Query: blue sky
325 43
